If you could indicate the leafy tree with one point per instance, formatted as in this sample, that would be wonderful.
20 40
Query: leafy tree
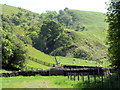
50 31
52 36
65 18
113 19
13 52
16 20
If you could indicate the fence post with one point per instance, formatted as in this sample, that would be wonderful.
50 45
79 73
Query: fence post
94 77
82 77
68 75
78 76
99 74
88 78
102 79
74 76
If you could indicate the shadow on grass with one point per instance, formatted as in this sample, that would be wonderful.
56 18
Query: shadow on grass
110 82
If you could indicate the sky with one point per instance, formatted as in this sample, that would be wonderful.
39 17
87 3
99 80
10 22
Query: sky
40 6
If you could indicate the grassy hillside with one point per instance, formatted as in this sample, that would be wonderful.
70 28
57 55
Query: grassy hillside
84 27
39 55
86 46
93 22
34 53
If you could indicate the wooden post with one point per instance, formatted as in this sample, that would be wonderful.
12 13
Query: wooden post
99 74
110 81
94 77
78 76
82 76
88 78
102 79
68 75
74 76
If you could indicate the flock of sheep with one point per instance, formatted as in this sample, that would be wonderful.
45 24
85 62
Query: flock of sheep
81 60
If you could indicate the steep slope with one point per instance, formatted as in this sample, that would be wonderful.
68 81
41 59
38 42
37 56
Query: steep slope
86 46
85 28
81 21
92 21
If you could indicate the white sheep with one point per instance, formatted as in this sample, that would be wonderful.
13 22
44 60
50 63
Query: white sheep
86 61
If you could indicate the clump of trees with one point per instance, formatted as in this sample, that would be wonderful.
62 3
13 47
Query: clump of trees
52 36
13 52
113 19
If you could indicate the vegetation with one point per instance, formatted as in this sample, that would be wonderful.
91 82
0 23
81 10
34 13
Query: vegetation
69 33
52 36
43 82
13 52
113 19
72 36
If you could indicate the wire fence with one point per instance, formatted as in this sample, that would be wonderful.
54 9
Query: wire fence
41 62
31 68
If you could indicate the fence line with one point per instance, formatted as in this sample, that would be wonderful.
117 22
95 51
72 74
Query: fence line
41 62
101 76
31 68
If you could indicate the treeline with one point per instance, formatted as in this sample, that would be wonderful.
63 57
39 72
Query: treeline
67 18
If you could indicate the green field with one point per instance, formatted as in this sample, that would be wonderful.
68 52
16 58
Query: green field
80 62
58 82
41 82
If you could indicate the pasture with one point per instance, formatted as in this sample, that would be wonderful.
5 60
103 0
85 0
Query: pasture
42 82
81 62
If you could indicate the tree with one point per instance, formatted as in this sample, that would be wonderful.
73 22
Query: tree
13 52
52 36
50 31
113 19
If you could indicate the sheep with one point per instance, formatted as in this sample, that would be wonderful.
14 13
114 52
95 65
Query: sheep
90 62
86 61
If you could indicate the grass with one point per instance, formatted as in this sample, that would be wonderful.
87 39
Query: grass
94 21
4 71
55 82
107 83
41 82
34 53
31 63
80 62
39 55
37 82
